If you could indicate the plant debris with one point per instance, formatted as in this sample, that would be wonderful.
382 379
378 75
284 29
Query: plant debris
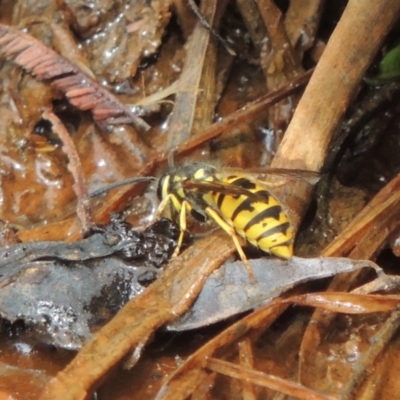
81 90
66 290
241 85
228 291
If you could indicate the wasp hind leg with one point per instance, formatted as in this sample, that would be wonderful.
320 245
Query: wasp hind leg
231 232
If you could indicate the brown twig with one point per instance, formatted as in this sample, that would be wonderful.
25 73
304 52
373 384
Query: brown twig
360 240
195 98
280 64
302 22
253 21
83 209
270 381
167 298
246 359
247 113
363 26
177 388
371 228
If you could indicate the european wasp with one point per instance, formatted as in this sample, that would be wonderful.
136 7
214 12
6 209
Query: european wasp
238 202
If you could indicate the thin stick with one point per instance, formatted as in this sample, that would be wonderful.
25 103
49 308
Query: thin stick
249 112
266 380
83 209
349 52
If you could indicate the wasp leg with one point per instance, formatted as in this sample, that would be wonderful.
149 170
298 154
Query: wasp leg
231 232
182 226
161 207
183 207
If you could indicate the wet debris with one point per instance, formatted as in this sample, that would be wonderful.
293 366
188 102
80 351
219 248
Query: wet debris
82 90
228 292
64 291
8 235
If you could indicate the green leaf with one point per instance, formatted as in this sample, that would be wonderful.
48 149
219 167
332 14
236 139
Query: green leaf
389 68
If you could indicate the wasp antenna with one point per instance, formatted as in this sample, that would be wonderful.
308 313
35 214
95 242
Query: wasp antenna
128 181
171 158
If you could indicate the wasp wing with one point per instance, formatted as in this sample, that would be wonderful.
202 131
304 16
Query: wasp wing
260 173
229 189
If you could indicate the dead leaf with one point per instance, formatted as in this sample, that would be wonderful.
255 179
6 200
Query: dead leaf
81 90
229 292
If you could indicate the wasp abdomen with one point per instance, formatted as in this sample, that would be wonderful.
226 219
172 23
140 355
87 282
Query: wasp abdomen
259 219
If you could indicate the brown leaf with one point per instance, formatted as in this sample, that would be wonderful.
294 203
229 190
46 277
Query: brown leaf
80 89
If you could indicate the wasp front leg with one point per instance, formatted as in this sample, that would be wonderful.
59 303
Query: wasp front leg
182 208
232 233
161 208
185 206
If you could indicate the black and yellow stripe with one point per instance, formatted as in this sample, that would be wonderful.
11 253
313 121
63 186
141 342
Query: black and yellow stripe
258 218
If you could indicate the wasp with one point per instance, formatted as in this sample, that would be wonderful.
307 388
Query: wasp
237 202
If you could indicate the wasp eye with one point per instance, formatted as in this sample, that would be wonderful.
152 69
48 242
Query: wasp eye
160 186
164 188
